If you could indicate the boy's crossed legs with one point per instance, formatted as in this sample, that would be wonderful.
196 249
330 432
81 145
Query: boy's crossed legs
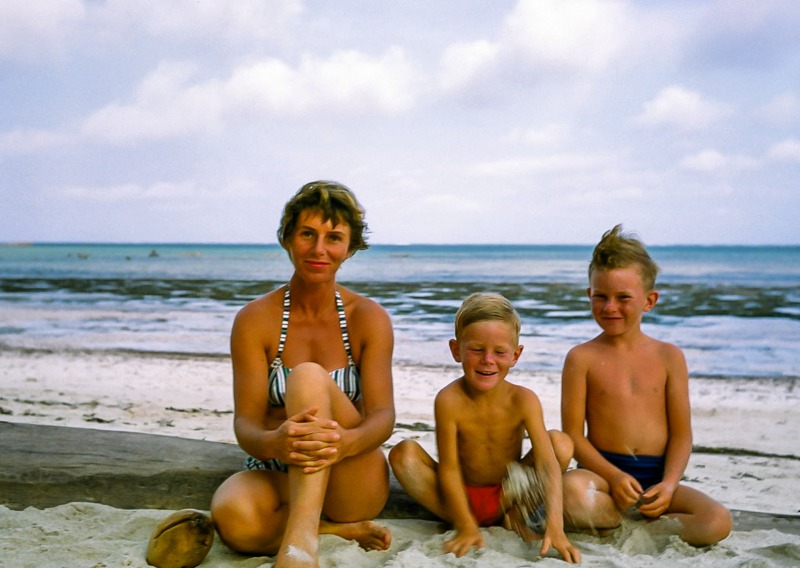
416 471
588 505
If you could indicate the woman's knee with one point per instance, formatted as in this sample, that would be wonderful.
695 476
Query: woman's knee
241 519
306 375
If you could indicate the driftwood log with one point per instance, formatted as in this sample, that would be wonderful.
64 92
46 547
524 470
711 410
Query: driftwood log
46 466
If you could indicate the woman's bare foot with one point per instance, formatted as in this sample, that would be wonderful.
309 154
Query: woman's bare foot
368 534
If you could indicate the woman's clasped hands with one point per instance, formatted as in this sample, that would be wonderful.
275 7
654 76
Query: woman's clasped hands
310 442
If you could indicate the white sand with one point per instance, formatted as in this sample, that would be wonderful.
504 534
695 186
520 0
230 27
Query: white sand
191 398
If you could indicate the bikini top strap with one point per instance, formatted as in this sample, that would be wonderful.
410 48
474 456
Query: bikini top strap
284 328
343 328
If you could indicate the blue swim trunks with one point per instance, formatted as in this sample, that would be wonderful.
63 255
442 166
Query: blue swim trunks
647 470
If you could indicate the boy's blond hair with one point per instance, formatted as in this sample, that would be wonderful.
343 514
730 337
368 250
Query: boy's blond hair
487 307
622 250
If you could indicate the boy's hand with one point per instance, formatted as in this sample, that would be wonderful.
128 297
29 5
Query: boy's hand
625 490
561 543
656 500
464 540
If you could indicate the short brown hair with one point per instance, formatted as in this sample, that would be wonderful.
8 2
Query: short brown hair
487 307
335 202
621 250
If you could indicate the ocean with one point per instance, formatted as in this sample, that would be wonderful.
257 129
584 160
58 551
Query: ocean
735 311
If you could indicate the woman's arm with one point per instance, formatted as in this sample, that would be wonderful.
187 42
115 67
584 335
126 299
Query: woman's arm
371 324
250 389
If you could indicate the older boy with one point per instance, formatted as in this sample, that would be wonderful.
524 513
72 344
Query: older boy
632 392
480 423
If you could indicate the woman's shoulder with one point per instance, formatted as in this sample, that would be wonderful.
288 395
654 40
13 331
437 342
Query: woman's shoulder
267 305
360 306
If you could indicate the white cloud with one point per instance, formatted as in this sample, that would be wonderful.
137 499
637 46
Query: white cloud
166 104
461 62
683 109
350 79
787 150
450 202
30 29
606 195
782 109
29 140
517 167
133 192
567 35
711 160
172 101
346 81
209 21
706 161
540 40
547 136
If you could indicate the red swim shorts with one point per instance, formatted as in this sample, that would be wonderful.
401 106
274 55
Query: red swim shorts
485 503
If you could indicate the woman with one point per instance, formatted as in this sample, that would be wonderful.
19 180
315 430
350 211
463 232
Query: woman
312 395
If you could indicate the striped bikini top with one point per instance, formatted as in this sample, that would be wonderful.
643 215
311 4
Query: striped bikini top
346 378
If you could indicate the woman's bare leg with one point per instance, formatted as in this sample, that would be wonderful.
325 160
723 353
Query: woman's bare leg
249 511
348 497
263 512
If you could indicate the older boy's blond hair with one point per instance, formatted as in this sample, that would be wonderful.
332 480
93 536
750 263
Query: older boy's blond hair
622 250
487 307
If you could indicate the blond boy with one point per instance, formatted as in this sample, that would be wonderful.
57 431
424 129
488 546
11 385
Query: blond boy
631 392
481 420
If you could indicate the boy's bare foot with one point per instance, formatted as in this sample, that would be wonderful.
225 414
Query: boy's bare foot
514 521
368 534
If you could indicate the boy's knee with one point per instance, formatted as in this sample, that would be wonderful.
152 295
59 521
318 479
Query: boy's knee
563 447
720 525
576 492
403 455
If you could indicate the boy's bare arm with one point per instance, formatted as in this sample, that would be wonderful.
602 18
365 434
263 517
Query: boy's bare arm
679 446
544 457
679 442
451 480
547 467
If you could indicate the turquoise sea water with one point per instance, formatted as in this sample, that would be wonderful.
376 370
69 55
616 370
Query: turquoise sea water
734 310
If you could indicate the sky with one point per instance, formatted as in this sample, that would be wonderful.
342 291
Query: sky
529 121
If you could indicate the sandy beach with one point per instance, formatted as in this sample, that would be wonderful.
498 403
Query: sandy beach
747 439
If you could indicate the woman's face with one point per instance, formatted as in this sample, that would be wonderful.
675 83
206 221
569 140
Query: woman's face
318 248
